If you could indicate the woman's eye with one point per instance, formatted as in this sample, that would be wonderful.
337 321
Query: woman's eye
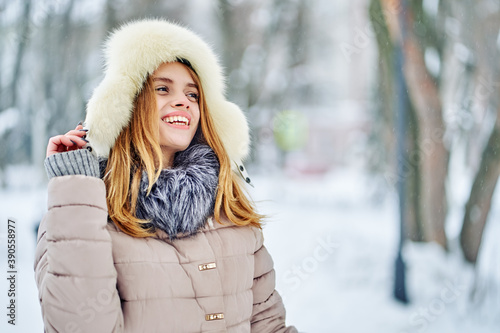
162 89
193 97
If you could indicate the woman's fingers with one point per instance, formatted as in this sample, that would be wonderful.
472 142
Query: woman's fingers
72 140
55 145
78 131
61 143
76 141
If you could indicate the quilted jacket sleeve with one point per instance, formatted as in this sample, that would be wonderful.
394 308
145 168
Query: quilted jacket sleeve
74 267
268 310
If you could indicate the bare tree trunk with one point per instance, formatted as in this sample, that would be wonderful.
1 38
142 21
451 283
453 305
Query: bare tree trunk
14 149
385 86
414 222
479 203
2 47
433 155
110 19
21 47
234 35
481 38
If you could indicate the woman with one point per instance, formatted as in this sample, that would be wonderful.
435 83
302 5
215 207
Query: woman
157 236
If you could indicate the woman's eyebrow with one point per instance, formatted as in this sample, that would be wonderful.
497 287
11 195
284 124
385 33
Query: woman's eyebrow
166 79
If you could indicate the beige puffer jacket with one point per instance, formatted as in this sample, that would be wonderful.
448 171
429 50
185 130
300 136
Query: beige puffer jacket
94 278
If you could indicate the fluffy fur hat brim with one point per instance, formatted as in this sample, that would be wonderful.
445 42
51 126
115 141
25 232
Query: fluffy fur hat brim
135 51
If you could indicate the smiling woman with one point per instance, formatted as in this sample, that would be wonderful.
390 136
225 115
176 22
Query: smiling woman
151 231
177 103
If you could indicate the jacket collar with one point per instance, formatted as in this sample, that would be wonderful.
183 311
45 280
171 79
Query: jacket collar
210 225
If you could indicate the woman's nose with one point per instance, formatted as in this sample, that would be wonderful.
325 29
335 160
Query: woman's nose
180 102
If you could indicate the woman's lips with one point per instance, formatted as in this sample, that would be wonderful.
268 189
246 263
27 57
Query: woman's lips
177 119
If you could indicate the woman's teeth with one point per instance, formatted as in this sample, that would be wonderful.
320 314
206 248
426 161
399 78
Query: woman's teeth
177 120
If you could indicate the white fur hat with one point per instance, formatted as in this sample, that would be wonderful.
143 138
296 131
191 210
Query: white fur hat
135 51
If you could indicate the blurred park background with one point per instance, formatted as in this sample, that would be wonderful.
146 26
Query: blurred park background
353 105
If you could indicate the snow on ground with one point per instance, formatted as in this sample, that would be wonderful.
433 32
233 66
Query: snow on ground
334 250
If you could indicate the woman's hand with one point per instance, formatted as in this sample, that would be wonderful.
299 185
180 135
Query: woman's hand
74 139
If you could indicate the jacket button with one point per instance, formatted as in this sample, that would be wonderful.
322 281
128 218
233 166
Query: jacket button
204 267
214 316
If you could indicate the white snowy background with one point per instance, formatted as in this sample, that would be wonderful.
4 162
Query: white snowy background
333 236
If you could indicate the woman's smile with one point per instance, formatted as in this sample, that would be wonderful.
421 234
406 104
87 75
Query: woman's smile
177 119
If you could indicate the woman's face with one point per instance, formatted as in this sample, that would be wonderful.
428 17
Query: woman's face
178 109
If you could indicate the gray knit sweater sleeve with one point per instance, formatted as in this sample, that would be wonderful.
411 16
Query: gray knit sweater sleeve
74 162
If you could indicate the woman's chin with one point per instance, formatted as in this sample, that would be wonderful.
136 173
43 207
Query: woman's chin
171 148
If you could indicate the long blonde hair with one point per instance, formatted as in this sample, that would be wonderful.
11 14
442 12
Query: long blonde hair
137 149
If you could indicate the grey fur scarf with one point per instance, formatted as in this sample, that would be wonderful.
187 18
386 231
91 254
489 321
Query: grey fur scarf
183 197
